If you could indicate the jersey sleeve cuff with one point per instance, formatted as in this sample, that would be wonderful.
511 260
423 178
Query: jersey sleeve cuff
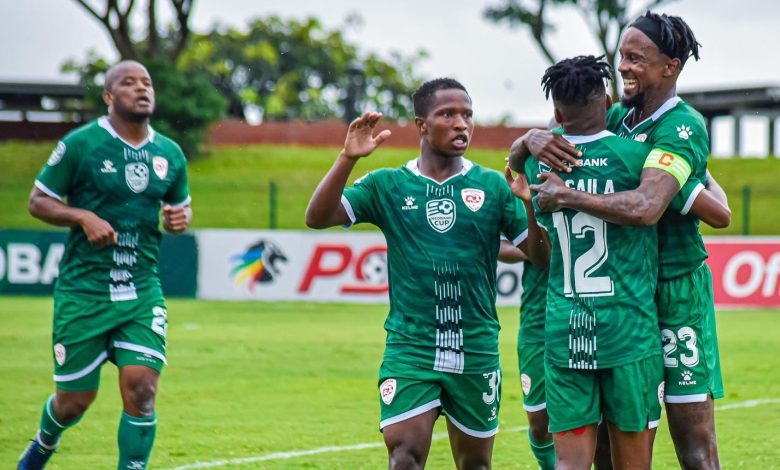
520 238
186 202
689 203
47 191
350 212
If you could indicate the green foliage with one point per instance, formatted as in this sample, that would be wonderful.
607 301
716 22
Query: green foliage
186 103
248 379
290 69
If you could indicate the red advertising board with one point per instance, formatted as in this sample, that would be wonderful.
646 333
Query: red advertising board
745 271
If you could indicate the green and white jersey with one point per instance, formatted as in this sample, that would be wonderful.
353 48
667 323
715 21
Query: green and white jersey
442 250
533 303
677 134
600 309
94 169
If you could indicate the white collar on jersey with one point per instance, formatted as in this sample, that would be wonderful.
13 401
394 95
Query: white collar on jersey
106 124
584 139
411 165
668 104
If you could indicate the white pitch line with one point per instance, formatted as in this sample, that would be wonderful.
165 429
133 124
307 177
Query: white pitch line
371 445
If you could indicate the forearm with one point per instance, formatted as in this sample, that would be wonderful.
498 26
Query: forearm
55 212
326 200
538 242
623 208
716 191
518 153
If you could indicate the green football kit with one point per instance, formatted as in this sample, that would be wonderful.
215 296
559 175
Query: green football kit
677 134
108 303
530 337
442 329
601 324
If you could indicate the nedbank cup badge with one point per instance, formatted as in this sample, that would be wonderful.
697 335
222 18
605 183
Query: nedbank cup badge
160 167
59 353
440 214
387 391
473 198
137 176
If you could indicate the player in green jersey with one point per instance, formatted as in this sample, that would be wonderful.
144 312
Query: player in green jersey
654 50
602 355
442 217
107 181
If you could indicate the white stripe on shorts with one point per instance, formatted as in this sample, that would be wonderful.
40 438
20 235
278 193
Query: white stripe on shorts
697 398
77 375
410 414
140 349
533 408
471 432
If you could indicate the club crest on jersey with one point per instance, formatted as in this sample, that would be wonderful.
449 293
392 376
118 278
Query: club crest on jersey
137 176
525 381
641 137
473 198
387 390
440 214
59 353
160 167
544 168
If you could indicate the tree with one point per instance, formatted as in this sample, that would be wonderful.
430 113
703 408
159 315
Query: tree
289 69
606 19
116 16
186 102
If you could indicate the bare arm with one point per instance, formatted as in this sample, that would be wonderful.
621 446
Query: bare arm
711 205
508 253
549 148
642 206
537 244
325 209
55 212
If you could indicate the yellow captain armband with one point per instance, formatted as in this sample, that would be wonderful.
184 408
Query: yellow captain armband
670 163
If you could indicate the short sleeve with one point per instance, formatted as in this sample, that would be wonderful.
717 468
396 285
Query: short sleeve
58 175
680 147
179 193
683 200
359 200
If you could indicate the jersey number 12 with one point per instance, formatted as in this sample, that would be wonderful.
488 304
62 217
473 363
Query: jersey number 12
584 284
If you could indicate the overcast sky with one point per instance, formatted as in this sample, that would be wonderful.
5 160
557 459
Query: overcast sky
500 67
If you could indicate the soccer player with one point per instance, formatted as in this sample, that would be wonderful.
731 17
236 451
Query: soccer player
602 355
654 50
106 181
442 217
530 354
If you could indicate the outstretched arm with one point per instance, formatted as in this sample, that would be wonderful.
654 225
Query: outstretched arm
642 206
55 212
325 209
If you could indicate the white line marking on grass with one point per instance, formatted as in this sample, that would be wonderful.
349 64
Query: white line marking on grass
371 445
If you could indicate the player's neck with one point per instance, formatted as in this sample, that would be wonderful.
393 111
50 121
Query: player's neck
439 167
650 105
130 131
584 126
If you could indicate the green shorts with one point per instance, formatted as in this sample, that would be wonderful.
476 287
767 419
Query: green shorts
470 401
629 395
531 359
86 333
686 317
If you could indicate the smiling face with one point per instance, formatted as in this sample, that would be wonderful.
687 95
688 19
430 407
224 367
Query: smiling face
128 92
448 127
647 73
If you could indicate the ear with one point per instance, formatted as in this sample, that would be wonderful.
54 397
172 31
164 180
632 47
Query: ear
422 127
107 98
608 100
672 68
558 115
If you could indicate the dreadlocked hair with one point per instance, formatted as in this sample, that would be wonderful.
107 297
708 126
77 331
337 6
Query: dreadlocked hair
576 81
676 36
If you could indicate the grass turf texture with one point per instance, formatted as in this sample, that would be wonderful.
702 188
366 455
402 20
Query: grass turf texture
248 379
230 185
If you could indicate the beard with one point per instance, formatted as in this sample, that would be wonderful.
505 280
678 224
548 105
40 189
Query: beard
636 101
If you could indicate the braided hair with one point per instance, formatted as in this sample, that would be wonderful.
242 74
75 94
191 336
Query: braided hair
576 81
423 96
671 34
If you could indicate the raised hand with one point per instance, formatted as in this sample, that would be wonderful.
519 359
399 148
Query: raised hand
518 185
360 140
552 149
549 192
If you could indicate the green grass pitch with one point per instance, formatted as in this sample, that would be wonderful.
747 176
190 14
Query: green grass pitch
250 381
